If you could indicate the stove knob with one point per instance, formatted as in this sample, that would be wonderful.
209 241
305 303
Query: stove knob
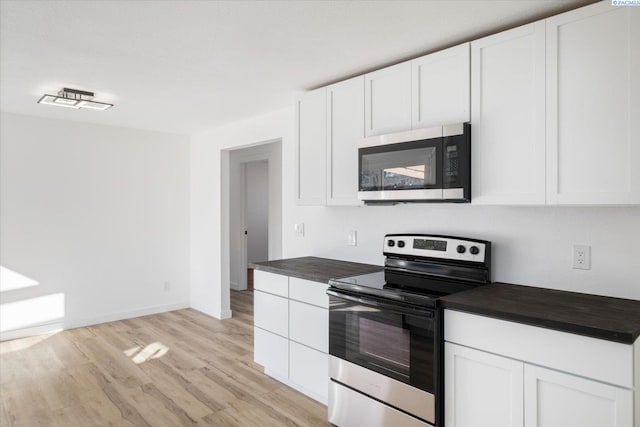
461 249
474 250
391 243
401 243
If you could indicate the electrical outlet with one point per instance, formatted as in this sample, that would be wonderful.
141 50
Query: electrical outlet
167 286
298 229
352 238
582 257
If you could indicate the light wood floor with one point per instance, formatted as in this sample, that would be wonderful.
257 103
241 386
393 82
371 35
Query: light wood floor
179 368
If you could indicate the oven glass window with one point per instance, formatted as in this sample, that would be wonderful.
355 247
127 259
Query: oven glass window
385 345
399 346
398 169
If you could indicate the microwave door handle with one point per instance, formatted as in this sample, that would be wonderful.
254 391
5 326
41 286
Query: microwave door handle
400 308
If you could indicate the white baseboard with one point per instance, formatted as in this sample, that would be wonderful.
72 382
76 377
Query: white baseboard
32 331
236 286
78 323
220 315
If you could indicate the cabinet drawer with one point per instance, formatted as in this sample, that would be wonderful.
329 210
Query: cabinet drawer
276 284
271 313
309 369
563 351
309 325
271 351
310 292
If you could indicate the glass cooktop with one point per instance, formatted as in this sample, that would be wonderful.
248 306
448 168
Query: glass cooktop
395 288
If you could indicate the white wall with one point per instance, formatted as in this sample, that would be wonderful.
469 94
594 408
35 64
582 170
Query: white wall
98 214
209 187
531 245
257 207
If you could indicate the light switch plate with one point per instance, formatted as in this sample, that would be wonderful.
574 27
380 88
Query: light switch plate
352 238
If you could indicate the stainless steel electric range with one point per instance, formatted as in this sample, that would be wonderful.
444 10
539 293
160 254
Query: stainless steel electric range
386 330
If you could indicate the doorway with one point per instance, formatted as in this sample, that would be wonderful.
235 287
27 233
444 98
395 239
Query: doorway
256 214
255 210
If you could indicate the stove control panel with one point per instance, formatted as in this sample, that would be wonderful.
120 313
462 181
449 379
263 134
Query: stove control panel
451 248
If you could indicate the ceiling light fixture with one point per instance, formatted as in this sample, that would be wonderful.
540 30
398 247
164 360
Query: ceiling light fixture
73 98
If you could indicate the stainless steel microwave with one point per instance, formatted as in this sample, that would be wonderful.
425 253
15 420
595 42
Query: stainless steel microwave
422 165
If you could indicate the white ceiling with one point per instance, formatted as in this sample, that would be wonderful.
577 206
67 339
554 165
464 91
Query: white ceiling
184 66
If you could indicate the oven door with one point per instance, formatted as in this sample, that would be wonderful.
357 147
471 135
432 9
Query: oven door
394 340
401 171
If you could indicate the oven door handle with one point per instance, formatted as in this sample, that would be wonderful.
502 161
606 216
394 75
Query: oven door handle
371 302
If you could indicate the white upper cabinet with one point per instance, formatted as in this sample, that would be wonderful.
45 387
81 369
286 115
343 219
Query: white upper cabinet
508 117
440 89
310 134
345 127
388 100
593 105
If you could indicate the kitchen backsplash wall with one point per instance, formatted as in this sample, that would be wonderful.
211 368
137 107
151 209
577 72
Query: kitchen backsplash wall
531 245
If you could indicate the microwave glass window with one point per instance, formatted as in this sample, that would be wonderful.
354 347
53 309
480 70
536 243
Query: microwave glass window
399 170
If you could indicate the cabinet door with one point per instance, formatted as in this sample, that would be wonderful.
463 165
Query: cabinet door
309 369
593 104
482 389
309 325
272 352
556 399
345 127
310 148
441 88
387 96
271 313
508 117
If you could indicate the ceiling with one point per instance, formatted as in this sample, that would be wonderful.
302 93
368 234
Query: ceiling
184 66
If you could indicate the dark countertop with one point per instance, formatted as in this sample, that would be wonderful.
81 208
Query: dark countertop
315 269
611 319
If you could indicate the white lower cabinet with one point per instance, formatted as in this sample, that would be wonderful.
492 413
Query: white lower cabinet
309 325
482 389
310 369
556 399
291 332
271 313
506 374
272 352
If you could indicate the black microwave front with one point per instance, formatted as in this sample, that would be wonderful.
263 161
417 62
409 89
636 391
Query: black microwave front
423 165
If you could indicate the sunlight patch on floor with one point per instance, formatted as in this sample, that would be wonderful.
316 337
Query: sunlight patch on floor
152 351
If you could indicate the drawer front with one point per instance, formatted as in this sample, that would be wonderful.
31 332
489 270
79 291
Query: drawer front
348 408
309 325
589 357
310 292
276 284
309 369
271 313
271 351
